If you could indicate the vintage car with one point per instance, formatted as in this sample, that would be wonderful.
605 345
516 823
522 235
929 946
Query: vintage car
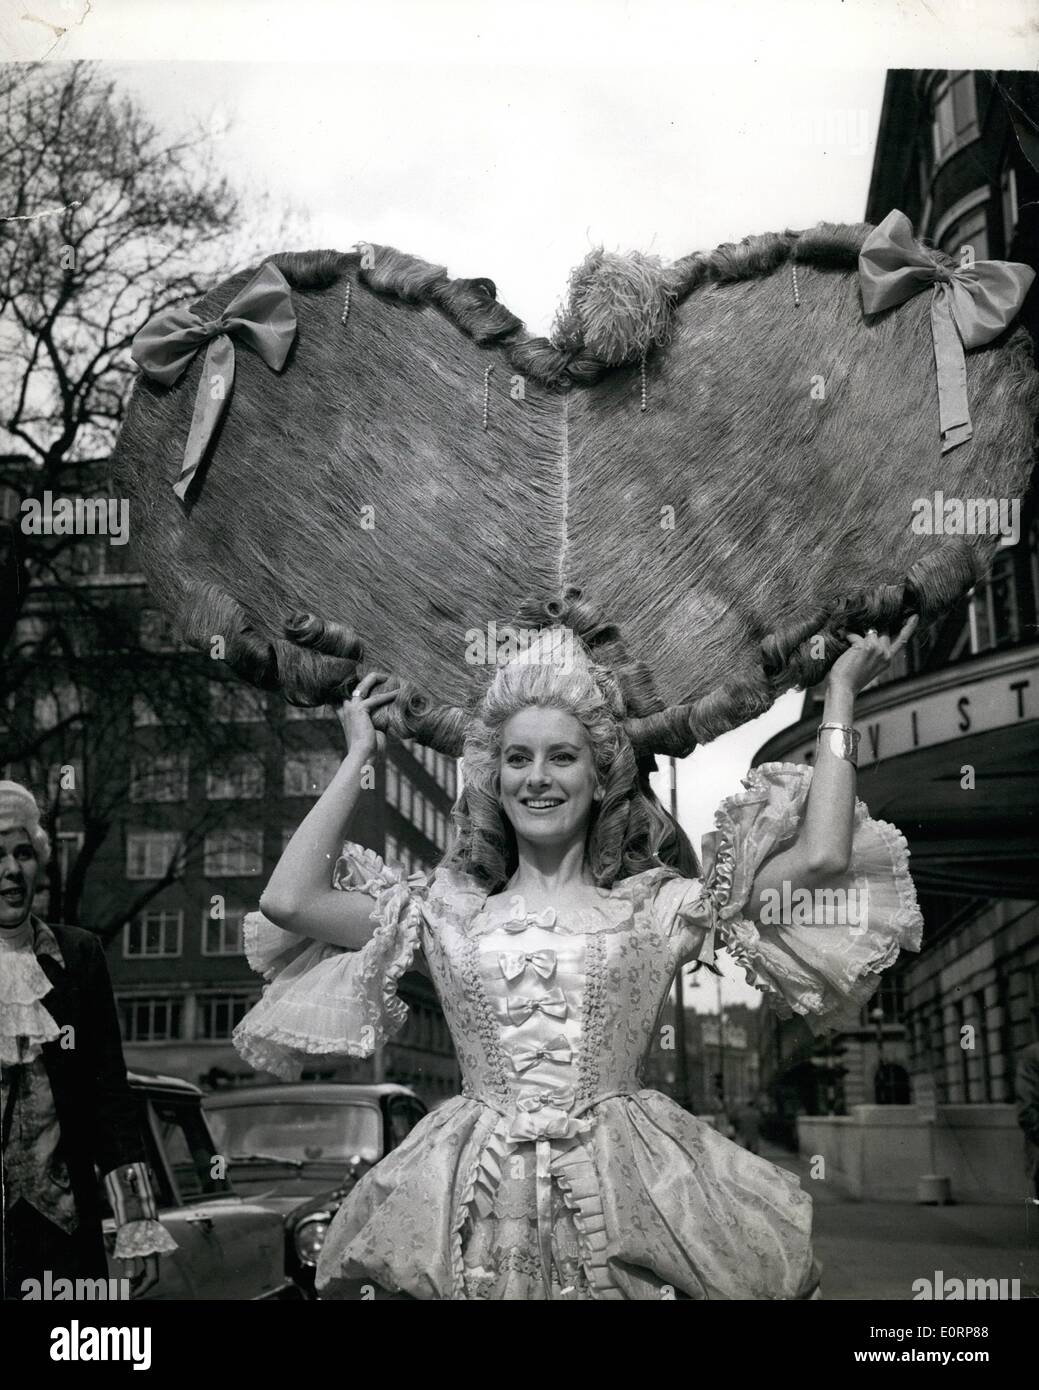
229 1246
301 1146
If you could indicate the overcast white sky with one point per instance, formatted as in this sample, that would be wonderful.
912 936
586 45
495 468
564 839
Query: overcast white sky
505 139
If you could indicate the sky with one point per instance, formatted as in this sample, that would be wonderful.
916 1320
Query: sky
506 140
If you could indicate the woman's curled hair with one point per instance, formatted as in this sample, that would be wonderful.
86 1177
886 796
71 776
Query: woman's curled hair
628 827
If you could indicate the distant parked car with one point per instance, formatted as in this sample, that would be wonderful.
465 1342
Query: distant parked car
229 1247
301 1146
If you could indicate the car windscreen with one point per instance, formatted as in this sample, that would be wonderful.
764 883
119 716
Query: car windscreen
308 1131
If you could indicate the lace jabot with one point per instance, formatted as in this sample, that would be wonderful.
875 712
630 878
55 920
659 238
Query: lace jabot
25 1025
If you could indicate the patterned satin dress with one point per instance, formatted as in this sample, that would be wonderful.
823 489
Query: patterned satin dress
556 1174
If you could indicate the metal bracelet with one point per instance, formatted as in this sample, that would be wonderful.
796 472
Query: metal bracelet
843 741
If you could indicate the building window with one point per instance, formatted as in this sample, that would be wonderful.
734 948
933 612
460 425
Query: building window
152 853
153 934
954 121
391 854
222 936
157 632
160 778
236 704
969 230
392 785
418 803
309 773
239 779
144 712
405 796
63 702
219 1014
992 615
65 783
10 503
441 830
286 836
1008 194
86 559
231 853
154 1018
67 845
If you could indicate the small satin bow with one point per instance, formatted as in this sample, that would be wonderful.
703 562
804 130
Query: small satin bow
553 1004
548 1123
556 1100
513 963
521 919
261 316
970 306
523 1058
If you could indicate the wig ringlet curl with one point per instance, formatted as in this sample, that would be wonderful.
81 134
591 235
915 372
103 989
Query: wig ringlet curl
627 828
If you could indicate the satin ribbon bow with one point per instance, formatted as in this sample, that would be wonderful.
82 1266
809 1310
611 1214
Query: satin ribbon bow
525 1056
523 920
260 316
543 1122
513 963
970 305
553 1004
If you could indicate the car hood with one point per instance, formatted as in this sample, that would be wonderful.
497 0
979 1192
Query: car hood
289 1185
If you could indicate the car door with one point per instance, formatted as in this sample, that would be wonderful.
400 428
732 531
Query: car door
191 1269
238 1248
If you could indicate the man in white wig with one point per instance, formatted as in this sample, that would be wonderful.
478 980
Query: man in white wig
68 1111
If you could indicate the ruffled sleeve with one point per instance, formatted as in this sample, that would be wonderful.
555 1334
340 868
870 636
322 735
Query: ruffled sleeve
686 912
323 1000
819 954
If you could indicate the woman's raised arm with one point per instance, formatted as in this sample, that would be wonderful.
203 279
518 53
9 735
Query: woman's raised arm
300 897
823 845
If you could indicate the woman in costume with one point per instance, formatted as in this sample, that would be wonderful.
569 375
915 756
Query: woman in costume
552 932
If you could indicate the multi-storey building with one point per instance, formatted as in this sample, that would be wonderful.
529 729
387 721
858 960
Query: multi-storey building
182 808
950 737
721 1071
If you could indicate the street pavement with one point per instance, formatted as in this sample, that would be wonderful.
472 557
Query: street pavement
877 1249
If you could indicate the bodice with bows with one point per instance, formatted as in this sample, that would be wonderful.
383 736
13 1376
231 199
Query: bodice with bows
555 1173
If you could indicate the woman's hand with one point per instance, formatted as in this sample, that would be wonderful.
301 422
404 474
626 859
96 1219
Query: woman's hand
868 656
355 715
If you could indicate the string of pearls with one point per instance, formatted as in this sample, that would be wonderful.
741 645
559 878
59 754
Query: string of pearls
486 394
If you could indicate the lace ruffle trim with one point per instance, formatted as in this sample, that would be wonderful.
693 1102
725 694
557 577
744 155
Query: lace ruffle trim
139 1238
902 929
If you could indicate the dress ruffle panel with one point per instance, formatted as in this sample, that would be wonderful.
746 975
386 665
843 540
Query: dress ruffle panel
824 968
401 1228
662 1206
323 1000
688 1212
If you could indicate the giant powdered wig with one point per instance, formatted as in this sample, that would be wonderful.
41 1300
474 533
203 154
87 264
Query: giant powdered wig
354 457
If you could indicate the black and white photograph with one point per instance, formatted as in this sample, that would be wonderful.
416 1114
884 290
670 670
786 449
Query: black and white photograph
519 669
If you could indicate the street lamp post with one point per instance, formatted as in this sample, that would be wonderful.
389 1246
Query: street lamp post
880 1088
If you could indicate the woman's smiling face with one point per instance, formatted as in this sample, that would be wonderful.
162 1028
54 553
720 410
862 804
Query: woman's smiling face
548 779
